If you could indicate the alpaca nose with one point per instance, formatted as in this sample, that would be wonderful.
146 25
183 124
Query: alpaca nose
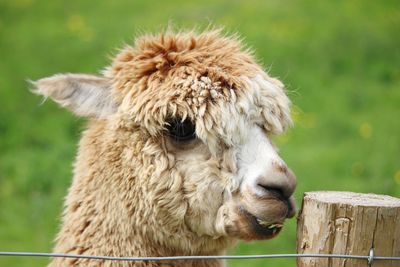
279 181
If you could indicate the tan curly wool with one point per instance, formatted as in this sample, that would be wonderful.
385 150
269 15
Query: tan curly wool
136 192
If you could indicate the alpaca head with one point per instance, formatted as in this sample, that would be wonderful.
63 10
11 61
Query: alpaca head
188 119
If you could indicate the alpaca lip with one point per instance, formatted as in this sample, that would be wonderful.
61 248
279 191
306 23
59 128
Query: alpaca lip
266 228
272 226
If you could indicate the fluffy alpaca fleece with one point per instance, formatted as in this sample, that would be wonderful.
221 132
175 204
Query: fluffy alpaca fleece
138 192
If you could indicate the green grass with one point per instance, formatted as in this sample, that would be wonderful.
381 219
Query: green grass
340 61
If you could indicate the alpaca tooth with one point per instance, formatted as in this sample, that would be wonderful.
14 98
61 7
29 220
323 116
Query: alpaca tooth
275 225
263 223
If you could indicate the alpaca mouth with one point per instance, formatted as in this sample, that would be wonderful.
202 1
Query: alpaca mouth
262 228
265 228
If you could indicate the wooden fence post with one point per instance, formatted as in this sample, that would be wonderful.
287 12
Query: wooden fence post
348 223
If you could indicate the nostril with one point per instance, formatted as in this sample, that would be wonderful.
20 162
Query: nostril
278 183
272 191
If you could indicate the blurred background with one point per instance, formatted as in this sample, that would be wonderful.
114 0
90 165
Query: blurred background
340 61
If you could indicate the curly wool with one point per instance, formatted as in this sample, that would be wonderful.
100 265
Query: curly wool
134 193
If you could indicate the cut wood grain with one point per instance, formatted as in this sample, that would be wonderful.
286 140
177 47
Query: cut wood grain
348 223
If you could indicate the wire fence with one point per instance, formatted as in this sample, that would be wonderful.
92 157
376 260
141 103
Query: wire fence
369 258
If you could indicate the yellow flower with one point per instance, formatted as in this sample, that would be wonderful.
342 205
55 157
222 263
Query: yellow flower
296 114
306 120
282 139
365 130
397 177
77 25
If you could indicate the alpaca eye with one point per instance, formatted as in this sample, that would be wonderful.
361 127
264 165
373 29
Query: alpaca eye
180 130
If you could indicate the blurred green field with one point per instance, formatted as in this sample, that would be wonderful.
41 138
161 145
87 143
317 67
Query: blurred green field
340 61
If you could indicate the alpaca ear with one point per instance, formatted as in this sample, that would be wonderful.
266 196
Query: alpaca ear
85 95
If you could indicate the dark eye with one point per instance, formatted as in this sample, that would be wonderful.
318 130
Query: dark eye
180 130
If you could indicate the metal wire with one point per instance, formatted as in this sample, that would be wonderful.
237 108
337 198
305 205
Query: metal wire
370 257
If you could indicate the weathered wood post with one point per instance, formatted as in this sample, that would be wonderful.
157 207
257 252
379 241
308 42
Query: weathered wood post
348 223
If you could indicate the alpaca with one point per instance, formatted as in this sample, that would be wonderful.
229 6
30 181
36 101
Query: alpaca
176 158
